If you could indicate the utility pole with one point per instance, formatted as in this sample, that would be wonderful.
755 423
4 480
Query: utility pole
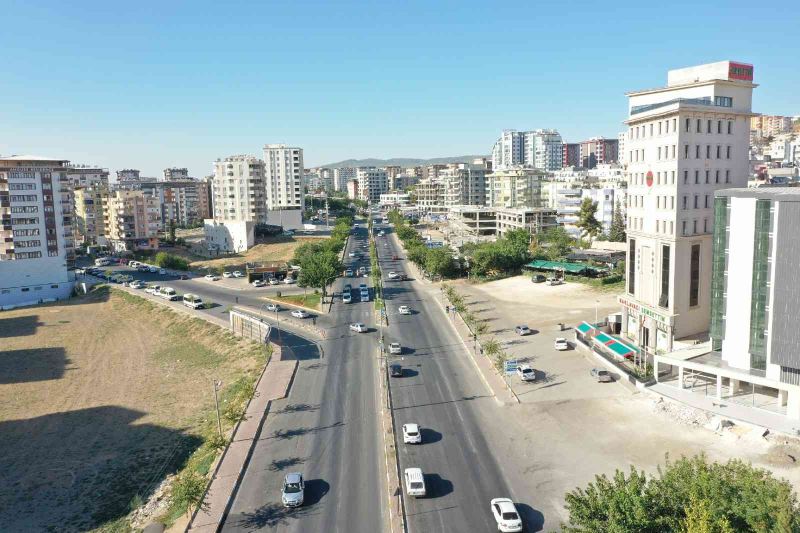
216 384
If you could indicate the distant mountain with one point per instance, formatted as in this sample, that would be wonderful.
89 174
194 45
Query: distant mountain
401 161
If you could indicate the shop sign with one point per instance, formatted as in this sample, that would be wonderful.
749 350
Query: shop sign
643 310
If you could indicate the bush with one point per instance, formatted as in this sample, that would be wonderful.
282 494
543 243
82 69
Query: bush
608 280
188 490
165 260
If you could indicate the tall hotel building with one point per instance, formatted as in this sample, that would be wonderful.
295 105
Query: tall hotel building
684 142
36 250
283 177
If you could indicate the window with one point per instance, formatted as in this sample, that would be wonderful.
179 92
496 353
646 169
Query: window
719 126
632 266
716 176
659 127
688 125
697 151
727 176
699 126
706 202
707 176
696 177
727 152
684 228
694 276
708 151
730 127
719 148
685 201
673 151
694 227
659 153
695 201
705 225
686 176
708 127
663 300
651 130
674 124
686 151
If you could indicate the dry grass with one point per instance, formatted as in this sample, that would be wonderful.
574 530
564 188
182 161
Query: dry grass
99 400
272 250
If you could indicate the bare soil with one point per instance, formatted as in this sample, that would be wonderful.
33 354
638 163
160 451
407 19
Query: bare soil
271 250
99 402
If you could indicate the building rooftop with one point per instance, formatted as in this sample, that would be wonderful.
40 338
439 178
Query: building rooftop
782 194
31 158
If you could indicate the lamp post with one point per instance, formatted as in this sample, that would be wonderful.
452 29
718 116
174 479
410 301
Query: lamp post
596 303
217 384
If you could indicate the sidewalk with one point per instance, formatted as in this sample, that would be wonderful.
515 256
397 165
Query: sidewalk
730 410
273 384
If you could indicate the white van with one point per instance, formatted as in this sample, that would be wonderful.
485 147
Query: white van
193 301
102 262
168 293
415 482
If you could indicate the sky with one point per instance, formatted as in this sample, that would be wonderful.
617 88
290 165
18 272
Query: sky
151 85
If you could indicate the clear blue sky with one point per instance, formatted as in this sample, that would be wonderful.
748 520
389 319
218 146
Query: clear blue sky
154 84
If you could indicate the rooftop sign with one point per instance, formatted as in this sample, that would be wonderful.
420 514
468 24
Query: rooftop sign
740 71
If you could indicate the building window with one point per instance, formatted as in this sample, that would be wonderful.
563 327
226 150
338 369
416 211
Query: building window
694 276
760 285
720 246
718 151
632 266
686 151
688 125
707 175
699 126
695 201
727 176
663 300
705 225
719 126
727 152
730 127
685 201
686 176
697 151
716 176
694 227
708 127
708 151
683 226
696 177
706 202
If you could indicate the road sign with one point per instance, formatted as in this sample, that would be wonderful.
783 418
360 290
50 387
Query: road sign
510 366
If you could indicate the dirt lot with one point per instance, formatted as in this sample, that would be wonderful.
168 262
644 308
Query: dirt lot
273 250
99 401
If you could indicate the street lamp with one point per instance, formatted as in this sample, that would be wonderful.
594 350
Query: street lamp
217 384
596 303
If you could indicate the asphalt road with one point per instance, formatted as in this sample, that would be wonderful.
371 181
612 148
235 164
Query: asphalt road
328 429
441 391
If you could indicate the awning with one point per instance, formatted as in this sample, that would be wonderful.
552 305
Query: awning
619 348
585 327
572 268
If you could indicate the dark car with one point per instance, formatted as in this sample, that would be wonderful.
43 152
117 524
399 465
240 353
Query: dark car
538 278
183 276
396 371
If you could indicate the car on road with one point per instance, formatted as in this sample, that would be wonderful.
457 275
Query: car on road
601 375
193 301
237 274
381 233
526 373
538 278
404 310
211 277
347 297
415 482
363 287
288 280
274 281
395 258
352 254
362 270
293 491
168 293
396 371
392 275
152 289
136 284
395 348
349 272
554 281
259 283
153 270
299 313
227 274
272 308
522 330
412 434
561 344
162 272
506 515
358 327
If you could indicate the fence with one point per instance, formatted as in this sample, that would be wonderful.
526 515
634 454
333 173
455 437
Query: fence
249 326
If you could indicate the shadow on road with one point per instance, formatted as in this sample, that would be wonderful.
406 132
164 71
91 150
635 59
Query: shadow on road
298 408
316 489
285 434
532 519
282 464
294 347
430 436
437 486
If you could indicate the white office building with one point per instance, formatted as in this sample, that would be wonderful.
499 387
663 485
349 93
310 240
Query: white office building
540 149
684 142
238 189
36 250
372 182
283 177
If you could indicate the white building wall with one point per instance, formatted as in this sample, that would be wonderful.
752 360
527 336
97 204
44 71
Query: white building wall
283 176
228 236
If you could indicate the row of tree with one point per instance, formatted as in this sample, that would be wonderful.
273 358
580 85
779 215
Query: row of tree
320 262
436 262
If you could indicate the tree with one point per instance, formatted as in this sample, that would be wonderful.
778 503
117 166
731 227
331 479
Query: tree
172 231
439 262
617 231
587 219
558 243
320 270
689 495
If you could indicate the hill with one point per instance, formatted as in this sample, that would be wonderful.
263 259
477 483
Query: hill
401 161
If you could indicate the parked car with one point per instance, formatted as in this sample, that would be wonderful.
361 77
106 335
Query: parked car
152 289
349 272
396 371
526 373
293 491
211 277
352 254
274 281
193 301
395 348
227 274
259 283
554 281
522 330
168 293
506 515
288 280
602 376
538 278
136 284
561 344
362 270
412 434
237 274
299 313
272 308
358 327
404 310
153 269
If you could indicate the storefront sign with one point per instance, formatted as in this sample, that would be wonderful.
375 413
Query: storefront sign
643 310
740 71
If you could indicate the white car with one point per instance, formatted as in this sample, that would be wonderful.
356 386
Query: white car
274 281
412 434
227 274
273 308
352 254
162 272
404 310
259 283
392 275
395 348
237 274
347 297
211 277
526 373
561 344
136 285
299 313
288 280
506 515
358 327
153 270
153 289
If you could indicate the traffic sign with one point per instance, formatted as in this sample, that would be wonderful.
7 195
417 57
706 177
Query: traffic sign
510 366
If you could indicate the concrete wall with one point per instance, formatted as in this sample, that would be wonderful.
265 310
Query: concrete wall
27 282
288 218
229 236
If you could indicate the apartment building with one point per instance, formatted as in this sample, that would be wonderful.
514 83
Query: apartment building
238 189
132 221
597 151
372 182
540 149
342 176
87 176
621 148
36 241
402 181
183 202
770 125
352 189
516 187
283 177
397 199
89 226
570 155
127 174
464 184
176 174
684 142
430 196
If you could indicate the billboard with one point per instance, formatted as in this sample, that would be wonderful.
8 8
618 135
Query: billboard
740 71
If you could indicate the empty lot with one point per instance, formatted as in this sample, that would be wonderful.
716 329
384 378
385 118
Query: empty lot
100 398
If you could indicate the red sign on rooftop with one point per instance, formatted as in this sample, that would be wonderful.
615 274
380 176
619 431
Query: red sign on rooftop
740 71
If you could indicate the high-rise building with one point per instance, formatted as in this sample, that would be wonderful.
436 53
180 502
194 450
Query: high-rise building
540 149
464 184
598 151
127 174
570 155
132 221
342 176
238 189
87 176
621 148
771 125
372 182
173 174
684 142
283 177
516 187
90 227
36 240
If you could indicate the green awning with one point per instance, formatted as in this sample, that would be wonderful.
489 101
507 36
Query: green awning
572 268
620 349
585 327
